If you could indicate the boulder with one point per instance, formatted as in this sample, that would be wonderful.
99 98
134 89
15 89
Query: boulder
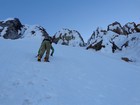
126 59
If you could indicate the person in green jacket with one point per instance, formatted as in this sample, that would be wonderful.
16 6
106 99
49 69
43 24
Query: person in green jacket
46 45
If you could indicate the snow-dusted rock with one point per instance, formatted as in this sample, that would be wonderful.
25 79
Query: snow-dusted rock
10 28
129 28
33 31
115 38
69 37
115 27
96 39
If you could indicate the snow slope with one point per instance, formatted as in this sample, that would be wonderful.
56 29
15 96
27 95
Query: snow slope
74 76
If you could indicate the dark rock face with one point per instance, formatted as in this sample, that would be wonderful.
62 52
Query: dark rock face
97 46
10 29
115 38
137 28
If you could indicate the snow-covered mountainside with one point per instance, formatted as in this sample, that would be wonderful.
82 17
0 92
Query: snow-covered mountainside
74 76
69 37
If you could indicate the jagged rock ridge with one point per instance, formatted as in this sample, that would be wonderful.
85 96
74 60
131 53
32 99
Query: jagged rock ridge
116 37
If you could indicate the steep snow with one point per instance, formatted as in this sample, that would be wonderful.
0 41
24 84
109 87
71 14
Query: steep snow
74 76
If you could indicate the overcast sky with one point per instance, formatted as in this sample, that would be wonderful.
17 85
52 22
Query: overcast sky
81 15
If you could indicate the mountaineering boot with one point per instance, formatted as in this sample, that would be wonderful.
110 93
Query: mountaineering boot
39 58
46 60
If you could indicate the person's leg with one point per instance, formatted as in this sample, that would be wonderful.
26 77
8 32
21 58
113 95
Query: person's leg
41 51
48 46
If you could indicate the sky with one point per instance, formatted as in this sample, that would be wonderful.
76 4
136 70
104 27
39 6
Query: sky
81 15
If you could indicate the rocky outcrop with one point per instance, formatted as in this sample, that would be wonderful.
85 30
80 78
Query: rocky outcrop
11 28
116 27
96 39
69 37
129 28
116 38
